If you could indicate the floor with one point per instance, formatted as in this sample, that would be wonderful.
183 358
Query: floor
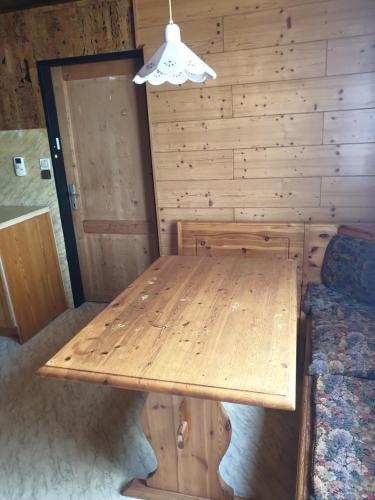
62 440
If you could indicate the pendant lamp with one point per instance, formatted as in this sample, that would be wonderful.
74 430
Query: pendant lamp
174 62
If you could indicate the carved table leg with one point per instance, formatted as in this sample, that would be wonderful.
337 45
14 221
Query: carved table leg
189 437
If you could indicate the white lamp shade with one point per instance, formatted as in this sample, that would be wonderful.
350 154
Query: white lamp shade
174 62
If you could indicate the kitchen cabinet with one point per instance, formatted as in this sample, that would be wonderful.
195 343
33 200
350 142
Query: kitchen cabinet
31 288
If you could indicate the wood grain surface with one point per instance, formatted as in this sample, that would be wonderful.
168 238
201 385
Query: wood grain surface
73 29
207 439
31 267
114 219
216 328
294 98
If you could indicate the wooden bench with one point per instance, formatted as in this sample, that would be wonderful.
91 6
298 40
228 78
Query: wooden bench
304 242
303 484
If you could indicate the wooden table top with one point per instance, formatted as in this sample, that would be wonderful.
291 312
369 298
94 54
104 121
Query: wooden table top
216 328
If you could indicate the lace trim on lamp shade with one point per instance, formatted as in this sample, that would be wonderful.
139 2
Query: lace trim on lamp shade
174 62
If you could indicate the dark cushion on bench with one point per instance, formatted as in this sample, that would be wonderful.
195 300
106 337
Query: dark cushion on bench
349 267
343 447
343 346
320 299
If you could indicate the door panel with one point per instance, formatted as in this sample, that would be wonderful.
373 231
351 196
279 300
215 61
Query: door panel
115 259
104 134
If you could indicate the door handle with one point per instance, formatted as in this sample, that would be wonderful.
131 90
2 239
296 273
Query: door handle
73 195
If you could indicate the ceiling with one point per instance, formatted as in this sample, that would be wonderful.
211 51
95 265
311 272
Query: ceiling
11 5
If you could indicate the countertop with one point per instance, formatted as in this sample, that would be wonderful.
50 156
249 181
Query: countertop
13 214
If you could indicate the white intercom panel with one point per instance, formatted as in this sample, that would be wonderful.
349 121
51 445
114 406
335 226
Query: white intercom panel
19 166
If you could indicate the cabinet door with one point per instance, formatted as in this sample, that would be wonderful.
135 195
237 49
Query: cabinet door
7 318
32 272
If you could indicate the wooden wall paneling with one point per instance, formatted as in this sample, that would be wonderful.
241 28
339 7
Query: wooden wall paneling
317 237
279 130
351 55
311 214
348 191
247 193
201 35
168 243
304 60
305 161
300 23
349 126
299 96
169 216
48 32
276 135
193 165
191 104
196 9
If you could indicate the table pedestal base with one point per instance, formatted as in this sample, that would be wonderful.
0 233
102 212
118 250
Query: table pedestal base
189 437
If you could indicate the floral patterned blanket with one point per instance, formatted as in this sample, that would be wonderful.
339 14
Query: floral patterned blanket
343 457
343 334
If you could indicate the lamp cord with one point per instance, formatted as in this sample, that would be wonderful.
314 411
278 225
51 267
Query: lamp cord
170 12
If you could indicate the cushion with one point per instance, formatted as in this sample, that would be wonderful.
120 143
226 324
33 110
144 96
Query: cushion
320 299
343 446
349 267
343 345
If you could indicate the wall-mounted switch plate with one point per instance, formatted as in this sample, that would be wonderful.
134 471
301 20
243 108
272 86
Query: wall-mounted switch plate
44 164
45 174
19 166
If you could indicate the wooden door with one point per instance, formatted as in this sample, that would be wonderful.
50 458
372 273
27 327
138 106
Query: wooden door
104 136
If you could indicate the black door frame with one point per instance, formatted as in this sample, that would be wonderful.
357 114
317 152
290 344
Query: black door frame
50 112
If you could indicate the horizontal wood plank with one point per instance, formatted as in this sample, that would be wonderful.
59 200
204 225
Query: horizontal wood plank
193 165
300 23
307 214
348 191
191 104
168 244
169 216
305 161
196 9
303 96
118 227
244 193
351 55
280 130
201 35
303 60
349 126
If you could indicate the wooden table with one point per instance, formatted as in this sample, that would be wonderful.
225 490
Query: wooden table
193 331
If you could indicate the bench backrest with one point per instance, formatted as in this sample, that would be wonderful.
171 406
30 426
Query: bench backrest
303 242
